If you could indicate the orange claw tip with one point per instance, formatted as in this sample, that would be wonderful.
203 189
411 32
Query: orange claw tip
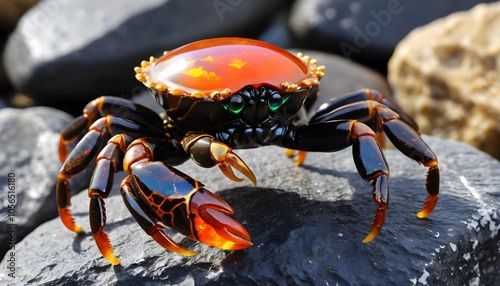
104 245
214 223
68 220
241 166
228 172
221 230
378 222
371 235
429 205
301 156
164 240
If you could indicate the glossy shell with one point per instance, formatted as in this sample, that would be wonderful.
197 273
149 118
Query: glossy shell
216 68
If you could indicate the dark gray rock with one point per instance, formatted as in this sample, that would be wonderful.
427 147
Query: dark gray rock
306 224
29 141
3 101
278 32
365 31
63 50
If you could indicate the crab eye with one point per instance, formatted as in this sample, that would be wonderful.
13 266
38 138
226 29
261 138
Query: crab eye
276 101
235 105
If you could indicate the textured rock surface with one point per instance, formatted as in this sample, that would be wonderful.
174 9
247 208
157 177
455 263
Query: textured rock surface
306 223
364 30
29 148
447 76
98 45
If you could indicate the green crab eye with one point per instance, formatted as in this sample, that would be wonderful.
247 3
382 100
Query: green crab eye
276 101
235 105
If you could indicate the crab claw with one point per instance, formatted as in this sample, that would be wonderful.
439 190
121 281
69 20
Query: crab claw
214 224
226 159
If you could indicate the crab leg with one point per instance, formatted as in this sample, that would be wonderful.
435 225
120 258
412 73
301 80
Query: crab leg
402 135
370 161
331 136
86 151
337 109
101 107
326 111
100 188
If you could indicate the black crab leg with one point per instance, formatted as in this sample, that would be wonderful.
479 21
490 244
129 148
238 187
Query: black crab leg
101 107
335 109
86 151
370 162
326 111
99 189
404 138
101 183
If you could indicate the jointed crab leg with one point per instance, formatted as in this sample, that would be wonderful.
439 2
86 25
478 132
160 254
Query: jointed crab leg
86 151
326 112
371 164
101 107
403 136
180 202
348 107
335 135
99 189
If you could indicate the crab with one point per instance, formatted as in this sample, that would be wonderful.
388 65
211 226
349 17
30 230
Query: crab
219 95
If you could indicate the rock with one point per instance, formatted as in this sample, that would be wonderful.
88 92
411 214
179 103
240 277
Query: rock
3 102
29 158
365 31
447 76
69 50
306 224
278 32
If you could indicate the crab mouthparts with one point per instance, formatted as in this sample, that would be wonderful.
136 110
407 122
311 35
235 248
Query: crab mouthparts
215 224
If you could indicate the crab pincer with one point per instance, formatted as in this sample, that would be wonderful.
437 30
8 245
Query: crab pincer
183 204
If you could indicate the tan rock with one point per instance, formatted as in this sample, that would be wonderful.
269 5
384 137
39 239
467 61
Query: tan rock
447 76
